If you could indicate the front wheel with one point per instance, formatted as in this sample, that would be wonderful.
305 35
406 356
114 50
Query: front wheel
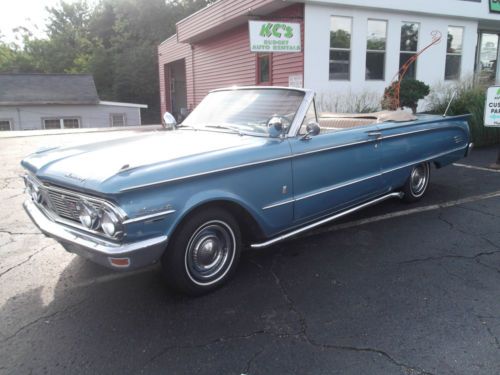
203 253
416 185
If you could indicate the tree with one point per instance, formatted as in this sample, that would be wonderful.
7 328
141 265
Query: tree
114 40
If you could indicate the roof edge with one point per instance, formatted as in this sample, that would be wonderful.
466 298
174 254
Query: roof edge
122 104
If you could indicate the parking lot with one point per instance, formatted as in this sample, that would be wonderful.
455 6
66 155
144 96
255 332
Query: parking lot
395 289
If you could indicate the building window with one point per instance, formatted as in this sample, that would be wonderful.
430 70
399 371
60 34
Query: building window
263 68
454 52
409 47
340 48
61 123
5 125
117 119
70 123
375 50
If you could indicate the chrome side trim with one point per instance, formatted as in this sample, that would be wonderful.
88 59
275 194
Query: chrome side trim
291 156
200 174
277 204
424 159
344 145
154 216
326 190
337 186
325 220
355 181
414 132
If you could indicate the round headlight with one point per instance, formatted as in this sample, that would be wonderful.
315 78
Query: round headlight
109 223
88 215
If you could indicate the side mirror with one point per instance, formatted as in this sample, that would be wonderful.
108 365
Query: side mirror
312 129
169 121
275 126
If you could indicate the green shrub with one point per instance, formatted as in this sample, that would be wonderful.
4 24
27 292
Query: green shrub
410 92
470 99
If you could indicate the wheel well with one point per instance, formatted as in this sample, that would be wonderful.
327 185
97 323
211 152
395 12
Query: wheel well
250 229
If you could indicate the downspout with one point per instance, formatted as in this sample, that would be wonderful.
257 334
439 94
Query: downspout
192 74
19 118
497 73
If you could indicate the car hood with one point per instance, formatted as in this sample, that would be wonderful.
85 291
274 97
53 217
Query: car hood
111 166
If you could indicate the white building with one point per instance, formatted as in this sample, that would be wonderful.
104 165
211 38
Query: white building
349 49
470 34
59 101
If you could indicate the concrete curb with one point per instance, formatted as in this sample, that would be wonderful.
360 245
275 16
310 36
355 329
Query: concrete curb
39 133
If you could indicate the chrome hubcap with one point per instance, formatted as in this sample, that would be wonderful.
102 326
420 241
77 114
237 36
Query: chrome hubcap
419 178
210 252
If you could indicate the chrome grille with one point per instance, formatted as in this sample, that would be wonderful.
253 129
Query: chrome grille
64 204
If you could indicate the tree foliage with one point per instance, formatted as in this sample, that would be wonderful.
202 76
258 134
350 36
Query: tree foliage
114 40
411 91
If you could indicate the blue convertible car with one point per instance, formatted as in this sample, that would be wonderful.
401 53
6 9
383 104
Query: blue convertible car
249 166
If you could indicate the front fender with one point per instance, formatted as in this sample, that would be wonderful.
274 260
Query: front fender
212 196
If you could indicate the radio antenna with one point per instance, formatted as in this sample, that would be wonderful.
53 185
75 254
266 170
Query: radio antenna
449 103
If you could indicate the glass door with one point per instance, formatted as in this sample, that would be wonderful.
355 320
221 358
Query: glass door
486 64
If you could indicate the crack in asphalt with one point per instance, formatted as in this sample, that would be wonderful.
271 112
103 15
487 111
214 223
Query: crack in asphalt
305 336
24 261
44 317
488 329
10 233
453 226
14 196
204 345
478 211
301 334
493 268
290 302
450 256
251 361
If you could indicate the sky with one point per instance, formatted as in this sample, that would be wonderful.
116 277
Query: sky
28 13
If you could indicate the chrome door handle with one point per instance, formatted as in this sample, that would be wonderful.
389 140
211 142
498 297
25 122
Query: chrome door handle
374 134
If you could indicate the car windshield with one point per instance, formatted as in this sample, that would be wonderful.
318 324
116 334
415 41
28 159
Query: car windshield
245 111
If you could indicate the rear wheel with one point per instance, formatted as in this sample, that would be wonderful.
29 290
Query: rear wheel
203 253
416 185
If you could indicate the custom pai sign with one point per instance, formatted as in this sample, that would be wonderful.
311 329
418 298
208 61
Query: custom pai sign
494 6
492 107
270 36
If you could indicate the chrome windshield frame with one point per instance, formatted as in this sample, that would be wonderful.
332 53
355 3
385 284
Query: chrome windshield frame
299 114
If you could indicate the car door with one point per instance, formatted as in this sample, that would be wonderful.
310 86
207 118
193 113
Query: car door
334 169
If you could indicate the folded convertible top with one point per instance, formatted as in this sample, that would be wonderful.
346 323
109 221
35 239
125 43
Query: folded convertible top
382 116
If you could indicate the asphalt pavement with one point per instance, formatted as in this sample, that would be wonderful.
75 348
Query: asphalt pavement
395 289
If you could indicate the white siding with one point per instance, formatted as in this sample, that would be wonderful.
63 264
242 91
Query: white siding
430 65
91 116
471 9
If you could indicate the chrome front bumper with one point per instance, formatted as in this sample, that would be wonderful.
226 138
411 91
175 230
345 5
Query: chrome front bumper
126 256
